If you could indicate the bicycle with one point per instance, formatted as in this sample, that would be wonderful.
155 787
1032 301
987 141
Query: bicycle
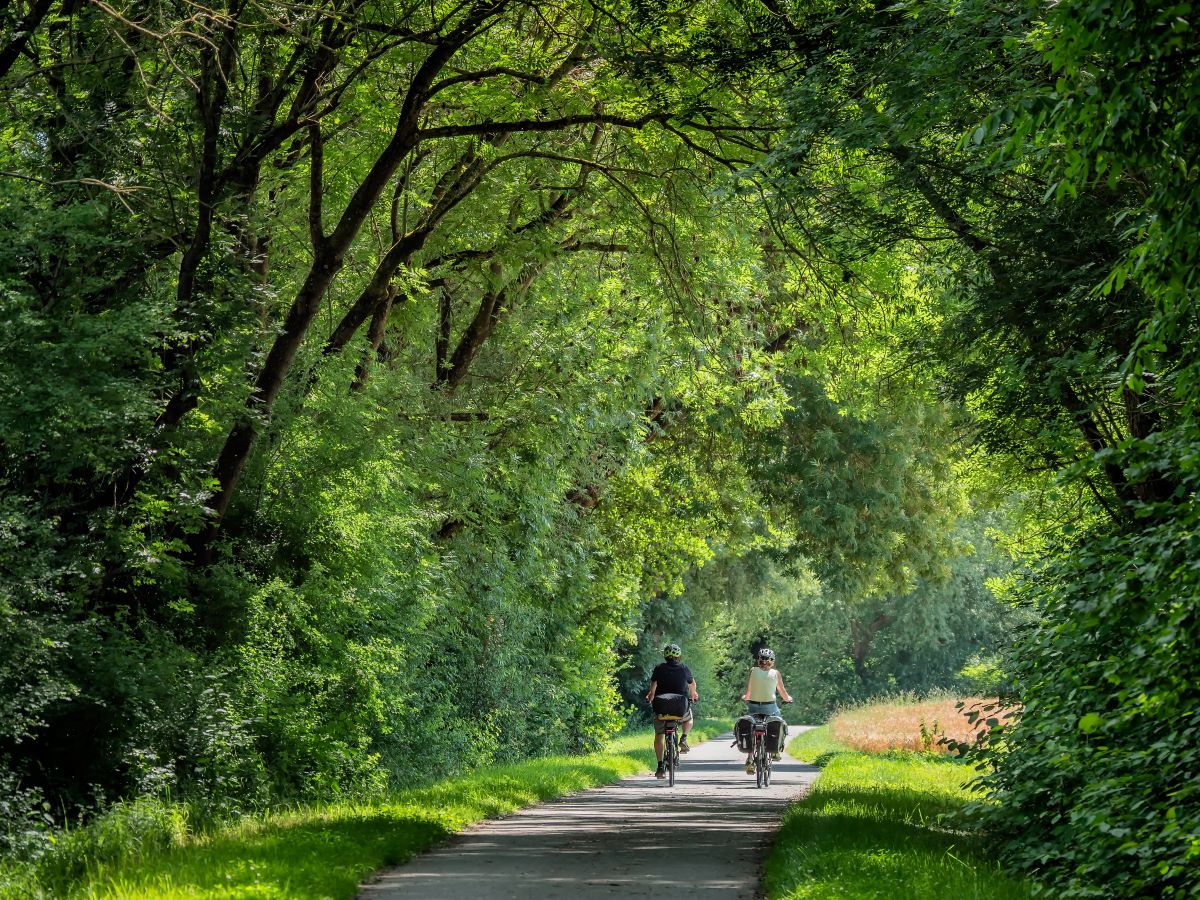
671 742
671 746
760 755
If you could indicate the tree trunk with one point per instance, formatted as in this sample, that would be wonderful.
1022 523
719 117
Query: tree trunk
12 50
861 636
328 258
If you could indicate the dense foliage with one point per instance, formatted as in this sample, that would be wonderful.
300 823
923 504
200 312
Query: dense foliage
344 348
1095 783
1100 756
382 384
835 649
1031 169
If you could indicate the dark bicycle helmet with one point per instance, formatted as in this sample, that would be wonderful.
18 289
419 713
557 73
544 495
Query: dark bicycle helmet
766 653
672 651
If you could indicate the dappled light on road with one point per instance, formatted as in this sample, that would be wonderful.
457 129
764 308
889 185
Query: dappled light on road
703 837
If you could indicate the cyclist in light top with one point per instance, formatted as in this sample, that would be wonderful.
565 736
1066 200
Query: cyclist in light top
765 679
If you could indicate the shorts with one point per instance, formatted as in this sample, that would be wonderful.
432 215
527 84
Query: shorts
768 707
660 725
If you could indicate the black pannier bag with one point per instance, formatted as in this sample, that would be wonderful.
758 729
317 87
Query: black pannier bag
743 730
776 733
670 704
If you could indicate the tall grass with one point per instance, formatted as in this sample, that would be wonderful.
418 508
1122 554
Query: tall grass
911 724
144 849
872 827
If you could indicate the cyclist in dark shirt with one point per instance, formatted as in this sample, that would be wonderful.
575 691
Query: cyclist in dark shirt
671 677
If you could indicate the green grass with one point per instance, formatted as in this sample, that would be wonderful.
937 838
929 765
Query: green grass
816 746
870 829
323 852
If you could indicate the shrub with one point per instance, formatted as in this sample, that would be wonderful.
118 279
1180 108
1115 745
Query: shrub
1097 778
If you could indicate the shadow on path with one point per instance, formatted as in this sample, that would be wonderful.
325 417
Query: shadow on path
703 837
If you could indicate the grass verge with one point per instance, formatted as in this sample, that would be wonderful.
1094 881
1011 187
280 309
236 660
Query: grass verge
869 828
325 852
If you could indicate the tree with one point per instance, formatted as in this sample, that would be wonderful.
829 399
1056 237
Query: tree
343 340
1002 161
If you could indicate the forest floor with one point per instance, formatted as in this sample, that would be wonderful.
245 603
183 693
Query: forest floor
703 838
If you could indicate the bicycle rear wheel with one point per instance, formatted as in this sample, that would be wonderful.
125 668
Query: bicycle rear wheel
672 758
759 764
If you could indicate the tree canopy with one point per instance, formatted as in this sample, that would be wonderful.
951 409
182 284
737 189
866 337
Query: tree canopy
374 373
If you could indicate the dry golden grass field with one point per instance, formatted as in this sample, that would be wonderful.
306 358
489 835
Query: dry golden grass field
911 725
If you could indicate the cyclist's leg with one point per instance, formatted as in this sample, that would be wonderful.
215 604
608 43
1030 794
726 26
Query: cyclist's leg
659 744
750 709
671 757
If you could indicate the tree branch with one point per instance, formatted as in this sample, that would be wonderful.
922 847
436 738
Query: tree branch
536 125
469 77
316 186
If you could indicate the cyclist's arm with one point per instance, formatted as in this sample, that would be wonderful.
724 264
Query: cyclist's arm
749 681
692 690
782 690
653 688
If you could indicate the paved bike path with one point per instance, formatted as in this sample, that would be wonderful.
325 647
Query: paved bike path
703 838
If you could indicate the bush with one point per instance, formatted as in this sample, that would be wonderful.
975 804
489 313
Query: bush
1097 779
